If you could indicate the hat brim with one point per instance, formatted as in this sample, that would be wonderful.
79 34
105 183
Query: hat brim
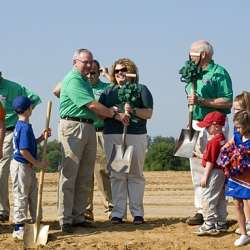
203 124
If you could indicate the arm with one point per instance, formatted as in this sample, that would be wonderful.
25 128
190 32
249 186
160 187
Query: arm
27 155
208 169
105 112
57 89
143 113
220 103
105 73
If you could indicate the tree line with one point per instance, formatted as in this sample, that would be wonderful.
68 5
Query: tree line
159 156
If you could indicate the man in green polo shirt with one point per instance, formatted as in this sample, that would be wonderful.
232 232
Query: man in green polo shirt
78 109
213 93
101 172
8 92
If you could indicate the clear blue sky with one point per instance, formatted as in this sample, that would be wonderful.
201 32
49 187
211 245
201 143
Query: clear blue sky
38 39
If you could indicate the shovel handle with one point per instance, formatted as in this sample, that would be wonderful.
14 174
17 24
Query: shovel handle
41 177
190 115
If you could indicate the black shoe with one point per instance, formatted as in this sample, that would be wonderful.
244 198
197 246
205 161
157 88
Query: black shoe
83 224
138 220
4 218
89 216
67 228
116 220
197 219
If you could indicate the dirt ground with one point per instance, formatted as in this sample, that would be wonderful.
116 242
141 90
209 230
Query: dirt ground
168 202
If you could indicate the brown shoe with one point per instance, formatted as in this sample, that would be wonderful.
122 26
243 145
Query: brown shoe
4 218
197 219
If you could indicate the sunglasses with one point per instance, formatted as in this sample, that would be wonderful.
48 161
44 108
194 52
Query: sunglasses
123 70
92 73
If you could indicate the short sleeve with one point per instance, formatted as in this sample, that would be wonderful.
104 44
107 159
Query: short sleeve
212 152
225 89
146 97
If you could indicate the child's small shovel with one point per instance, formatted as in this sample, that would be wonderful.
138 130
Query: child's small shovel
37 234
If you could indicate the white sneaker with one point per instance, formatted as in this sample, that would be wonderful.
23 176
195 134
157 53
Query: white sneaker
18 234
237 231
244 239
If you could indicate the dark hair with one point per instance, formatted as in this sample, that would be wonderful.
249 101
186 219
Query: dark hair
97 63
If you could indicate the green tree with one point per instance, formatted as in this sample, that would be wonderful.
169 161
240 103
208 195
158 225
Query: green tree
53 155
160 156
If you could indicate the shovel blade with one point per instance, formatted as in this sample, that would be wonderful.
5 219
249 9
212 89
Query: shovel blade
184 146
121 158
29 236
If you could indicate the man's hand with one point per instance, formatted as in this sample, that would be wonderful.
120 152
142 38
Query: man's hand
192 100
105 73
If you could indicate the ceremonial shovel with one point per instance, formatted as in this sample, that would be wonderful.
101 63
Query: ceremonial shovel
188 137
121 155
37 234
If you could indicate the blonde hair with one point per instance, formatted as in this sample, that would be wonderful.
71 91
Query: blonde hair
131 67
244 100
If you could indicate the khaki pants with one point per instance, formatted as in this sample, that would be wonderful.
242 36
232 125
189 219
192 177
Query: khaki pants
78 141
101 175
5 172
196 167
24 191
214 204
130 185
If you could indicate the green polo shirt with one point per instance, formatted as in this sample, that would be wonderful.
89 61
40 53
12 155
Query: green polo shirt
8 92
215 83
98 89
76 92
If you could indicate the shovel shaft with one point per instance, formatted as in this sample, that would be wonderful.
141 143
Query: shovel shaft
190 114
41 177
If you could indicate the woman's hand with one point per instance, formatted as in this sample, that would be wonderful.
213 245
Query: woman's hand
128 109
123 117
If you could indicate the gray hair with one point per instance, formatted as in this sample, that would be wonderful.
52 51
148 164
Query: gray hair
203 46
78 53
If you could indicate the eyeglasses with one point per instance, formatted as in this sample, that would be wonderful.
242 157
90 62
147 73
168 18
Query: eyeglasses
123 70
85 62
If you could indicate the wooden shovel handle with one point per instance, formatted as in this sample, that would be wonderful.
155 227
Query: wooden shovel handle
190 114
41 177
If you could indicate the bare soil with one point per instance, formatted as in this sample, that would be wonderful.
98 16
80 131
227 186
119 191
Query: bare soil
168 202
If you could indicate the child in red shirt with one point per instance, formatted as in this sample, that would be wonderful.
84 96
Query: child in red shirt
213 199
